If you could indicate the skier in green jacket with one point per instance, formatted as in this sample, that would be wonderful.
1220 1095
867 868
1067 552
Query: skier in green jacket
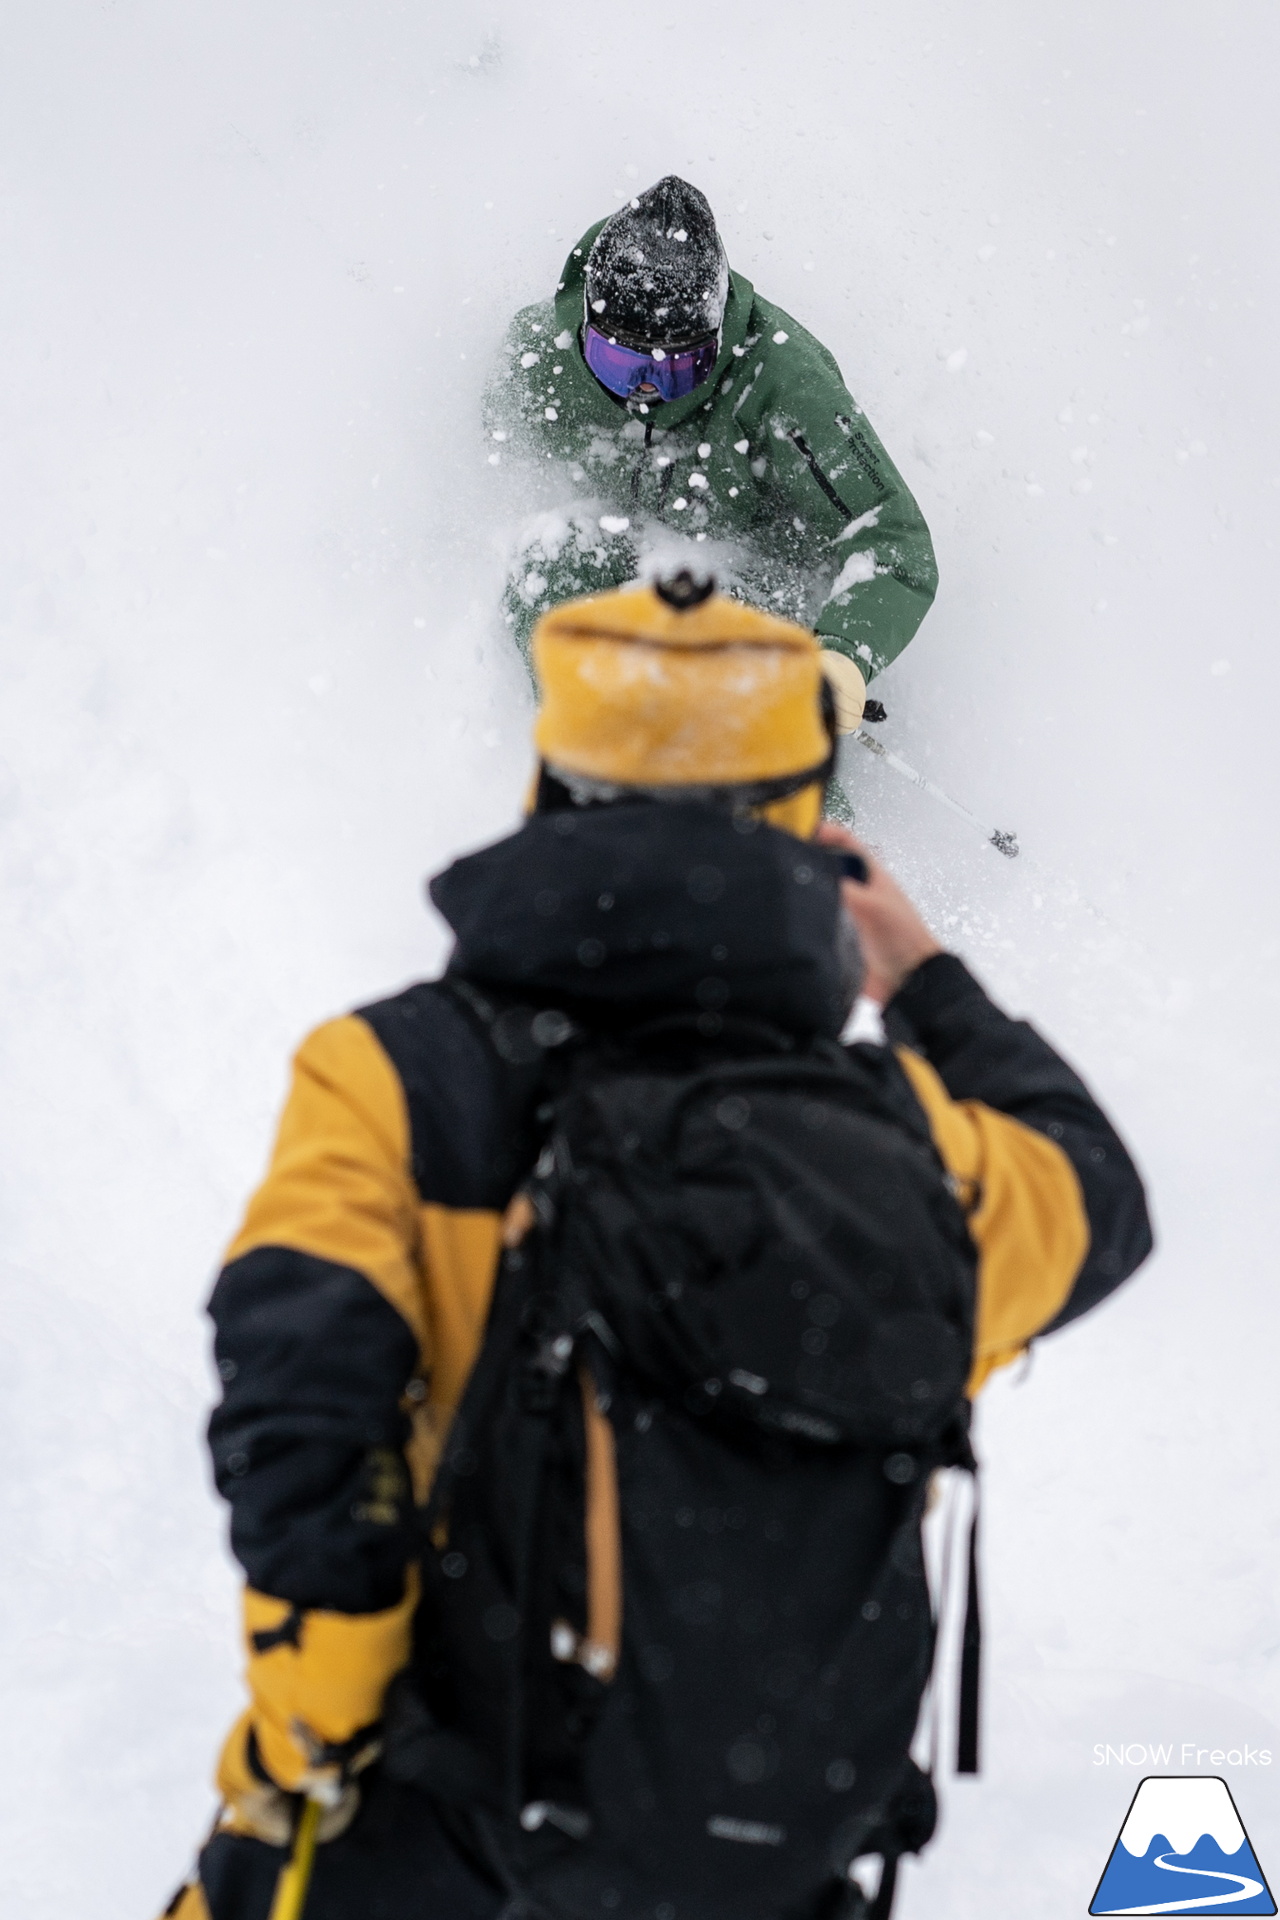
673 417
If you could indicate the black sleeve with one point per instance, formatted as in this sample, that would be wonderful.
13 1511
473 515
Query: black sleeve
308 1440
981 1054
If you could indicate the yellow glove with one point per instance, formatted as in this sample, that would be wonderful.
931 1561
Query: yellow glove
848 686
317 1682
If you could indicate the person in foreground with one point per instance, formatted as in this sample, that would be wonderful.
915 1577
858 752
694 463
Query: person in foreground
602 1321
674 404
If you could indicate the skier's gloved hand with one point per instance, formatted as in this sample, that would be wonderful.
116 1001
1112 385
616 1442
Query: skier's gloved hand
848 686
254 1806
317 1682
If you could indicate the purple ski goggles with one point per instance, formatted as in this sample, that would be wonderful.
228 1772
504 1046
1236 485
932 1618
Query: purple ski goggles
673 373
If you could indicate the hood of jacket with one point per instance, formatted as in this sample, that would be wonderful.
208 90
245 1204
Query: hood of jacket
570 313
641 909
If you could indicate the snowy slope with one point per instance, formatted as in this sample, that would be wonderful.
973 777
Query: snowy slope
255 261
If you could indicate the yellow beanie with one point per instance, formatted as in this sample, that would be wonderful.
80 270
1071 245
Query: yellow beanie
640 692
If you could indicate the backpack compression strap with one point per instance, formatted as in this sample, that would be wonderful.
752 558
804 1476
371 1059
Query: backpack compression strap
970 1658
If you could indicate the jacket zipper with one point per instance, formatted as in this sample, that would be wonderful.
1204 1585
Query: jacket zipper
798 441
639 466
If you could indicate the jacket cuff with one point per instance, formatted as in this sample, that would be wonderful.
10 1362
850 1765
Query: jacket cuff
938 1002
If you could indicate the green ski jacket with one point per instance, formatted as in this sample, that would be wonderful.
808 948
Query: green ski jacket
770 465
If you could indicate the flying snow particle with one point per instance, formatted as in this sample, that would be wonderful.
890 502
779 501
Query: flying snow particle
704 451
871 518
549 413
563 340
856 571
678 506
528 360
614 522
780 338
742 446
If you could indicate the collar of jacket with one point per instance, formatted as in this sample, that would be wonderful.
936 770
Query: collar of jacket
663 414
652 907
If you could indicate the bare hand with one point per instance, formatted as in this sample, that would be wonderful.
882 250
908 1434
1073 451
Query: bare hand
894 939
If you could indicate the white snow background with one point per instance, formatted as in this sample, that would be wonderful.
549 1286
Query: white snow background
254 263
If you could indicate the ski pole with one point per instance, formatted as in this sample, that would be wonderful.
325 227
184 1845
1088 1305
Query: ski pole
295 1874
1006 843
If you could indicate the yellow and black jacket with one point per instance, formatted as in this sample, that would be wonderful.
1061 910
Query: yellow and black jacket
353 1300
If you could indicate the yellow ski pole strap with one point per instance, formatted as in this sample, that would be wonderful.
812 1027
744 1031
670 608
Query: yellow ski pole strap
295 1874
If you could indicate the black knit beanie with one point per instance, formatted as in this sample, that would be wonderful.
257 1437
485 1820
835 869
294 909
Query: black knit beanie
657 274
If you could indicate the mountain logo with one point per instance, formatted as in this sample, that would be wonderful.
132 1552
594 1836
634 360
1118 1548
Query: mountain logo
1182 1850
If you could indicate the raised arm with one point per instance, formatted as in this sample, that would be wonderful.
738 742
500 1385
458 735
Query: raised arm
1054 1202
982 1056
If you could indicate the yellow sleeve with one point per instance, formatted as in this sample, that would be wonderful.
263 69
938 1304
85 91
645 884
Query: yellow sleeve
340 1183
1025 1211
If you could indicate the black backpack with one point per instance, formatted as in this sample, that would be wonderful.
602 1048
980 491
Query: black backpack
745 1250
